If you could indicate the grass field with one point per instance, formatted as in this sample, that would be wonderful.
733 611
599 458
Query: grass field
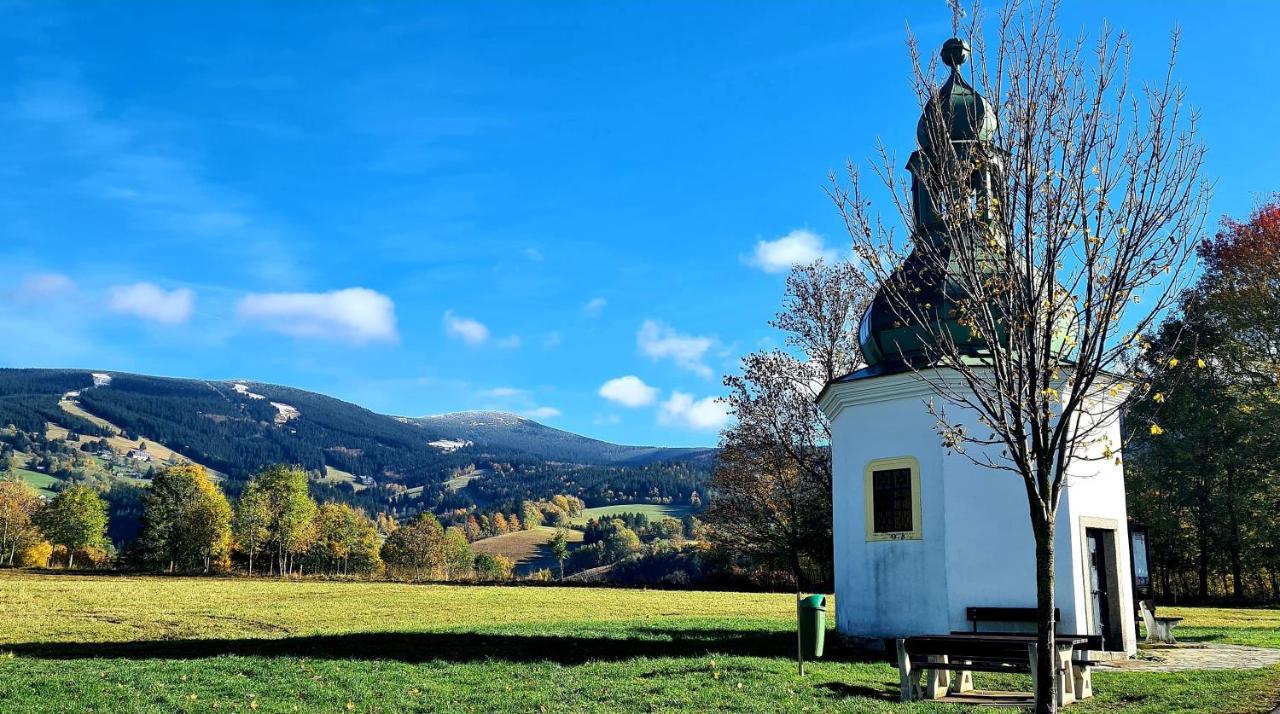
652 510
116 643
527 548
43 483
1259 627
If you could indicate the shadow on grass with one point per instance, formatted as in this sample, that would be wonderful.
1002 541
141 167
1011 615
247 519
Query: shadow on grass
847 691
418 647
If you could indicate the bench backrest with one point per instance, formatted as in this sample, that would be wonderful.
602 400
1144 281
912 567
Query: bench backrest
1004 614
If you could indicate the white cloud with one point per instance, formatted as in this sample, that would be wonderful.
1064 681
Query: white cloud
541 413
504 393
509 343
533 254
151 302
682 410
44 286
357 315
798 247
552 339
660 341
629 391
472 332
594 306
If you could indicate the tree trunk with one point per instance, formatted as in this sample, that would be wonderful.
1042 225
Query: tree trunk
71 559
251 563
1045 675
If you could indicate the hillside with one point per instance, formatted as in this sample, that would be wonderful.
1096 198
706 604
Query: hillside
381 462
487 430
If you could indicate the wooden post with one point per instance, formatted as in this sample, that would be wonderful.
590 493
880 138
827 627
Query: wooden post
799 640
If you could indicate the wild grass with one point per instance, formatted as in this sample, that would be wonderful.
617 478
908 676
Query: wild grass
153 644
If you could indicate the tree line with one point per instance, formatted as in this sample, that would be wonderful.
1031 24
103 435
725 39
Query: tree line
1204 465
274 528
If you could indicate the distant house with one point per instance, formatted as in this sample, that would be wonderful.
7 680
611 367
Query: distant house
140 455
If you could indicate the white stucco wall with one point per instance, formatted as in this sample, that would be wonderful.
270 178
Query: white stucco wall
976 548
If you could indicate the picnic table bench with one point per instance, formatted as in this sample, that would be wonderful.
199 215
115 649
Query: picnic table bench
939 656
1159 627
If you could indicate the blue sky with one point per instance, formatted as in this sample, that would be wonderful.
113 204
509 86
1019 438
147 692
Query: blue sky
549 208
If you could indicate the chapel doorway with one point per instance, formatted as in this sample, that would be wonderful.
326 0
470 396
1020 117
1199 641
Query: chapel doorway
1103 587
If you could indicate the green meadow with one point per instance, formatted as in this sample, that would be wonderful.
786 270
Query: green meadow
116 643
652 511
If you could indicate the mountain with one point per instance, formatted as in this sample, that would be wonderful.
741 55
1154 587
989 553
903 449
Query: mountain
378 461
503 431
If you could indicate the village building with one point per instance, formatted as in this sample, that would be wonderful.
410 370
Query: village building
922 534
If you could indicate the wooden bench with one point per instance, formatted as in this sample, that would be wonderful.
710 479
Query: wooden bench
1082 664
1159 629
966 653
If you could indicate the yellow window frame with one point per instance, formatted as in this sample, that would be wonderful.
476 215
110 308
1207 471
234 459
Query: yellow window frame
898 462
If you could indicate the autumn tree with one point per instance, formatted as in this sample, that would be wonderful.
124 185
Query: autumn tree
772 485
493 567
75 519
186 521
290 512
18 501
252 524
345 540
456 553
1049 224
418 546
1207 483
559 545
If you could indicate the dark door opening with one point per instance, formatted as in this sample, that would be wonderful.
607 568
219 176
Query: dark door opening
1099 585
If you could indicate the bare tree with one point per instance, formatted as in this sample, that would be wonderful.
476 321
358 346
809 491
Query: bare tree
771 496
1048 227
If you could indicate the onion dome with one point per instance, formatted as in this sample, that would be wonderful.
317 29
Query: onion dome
968 115
889 341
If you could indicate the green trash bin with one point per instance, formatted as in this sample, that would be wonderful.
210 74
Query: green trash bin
813 625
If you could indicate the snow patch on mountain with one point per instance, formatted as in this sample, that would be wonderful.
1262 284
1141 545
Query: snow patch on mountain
243 389
448 446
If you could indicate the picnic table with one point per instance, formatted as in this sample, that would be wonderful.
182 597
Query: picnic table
939 656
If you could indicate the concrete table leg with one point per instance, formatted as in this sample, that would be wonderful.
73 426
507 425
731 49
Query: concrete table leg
963 681
939 679
1066 680
906 678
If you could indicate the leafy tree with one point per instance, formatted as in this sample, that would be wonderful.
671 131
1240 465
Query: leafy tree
344 534
493 567
186 521
18 501
560 548
252 524
75 519
457 555
418 546
291 512
772 484
530 515
1206 481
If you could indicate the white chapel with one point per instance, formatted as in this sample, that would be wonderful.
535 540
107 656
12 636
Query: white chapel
923 535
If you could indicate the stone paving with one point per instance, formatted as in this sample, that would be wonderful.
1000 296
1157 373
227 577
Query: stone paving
1180 658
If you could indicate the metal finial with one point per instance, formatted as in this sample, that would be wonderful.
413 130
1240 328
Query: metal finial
955 52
